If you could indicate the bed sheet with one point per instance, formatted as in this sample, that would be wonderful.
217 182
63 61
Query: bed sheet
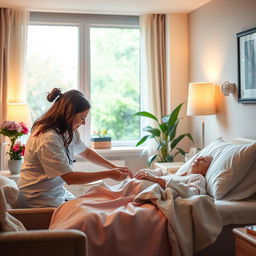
106 215
237 212
138 217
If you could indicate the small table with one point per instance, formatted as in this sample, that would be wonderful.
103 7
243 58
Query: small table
245 242
170 167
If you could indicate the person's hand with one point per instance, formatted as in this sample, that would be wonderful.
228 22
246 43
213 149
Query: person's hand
144 175
141 173
126 170
118 174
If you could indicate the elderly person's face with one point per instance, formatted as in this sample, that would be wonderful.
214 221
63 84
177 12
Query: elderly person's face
201 164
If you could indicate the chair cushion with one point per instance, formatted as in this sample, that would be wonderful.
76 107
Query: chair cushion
7 221
10 190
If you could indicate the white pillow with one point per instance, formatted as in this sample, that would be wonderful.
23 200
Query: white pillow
10 190
245 188
229 166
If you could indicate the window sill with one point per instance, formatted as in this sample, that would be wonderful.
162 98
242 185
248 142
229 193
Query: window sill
121 151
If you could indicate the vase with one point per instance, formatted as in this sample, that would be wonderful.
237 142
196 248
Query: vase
14 166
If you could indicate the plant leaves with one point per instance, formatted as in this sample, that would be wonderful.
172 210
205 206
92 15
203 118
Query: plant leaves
146 114
169 158
151 159
172 131
178 139
163 127
153 131
165 118
190 137
142 140
174 115
160 146
180 151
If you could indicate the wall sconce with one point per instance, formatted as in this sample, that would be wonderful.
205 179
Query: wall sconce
227 88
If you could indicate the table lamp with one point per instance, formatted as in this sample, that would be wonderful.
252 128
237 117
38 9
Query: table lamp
201 102
19 112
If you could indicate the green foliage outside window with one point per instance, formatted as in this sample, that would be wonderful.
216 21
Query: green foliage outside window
115 89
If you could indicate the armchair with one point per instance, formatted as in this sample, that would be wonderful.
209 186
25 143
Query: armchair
38 240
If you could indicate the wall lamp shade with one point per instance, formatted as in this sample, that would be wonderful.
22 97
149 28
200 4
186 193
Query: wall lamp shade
19 112
201 99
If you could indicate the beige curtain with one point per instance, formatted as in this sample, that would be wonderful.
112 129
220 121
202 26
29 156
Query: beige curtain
13 38
153 66
154 61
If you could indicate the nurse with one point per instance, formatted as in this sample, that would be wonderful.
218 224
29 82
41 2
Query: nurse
50 152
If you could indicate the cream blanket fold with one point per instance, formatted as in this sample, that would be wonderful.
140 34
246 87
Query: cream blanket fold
193 222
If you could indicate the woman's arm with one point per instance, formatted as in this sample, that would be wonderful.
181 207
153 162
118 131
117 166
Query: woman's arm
95 158
87 177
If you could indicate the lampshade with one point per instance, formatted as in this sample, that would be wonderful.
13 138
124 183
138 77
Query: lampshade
19 112
201 99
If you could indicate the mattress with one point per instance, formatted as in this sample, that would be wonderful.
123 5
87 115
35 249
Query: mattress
237 212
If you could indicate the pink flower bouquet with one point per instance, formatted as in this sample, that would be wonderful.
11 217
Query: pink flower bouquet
17 151
13 131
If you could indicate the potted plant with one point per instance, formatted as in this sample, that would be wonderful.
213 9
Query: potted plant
164 135
13 131
100 140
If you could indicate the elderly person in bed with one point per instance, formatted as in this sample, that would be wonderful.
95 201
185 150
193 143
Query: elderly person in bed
190 183
132 214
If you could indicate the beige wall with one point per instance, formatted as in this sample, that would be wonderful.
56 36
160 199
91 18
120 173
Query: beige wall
213 57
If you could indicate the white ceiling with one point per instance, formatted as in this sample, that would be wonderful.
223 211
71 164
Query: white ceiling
134 7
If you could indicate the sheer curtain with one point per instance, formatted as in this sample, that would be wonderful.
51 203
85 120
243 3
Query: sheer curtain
13 38
153 41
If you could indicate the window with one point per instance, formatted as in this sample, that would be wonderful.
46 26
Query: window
52 61
97 54
115 81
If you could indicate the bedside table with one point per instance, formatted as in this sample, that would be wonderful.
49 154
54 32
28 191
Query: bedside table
170 167
245 242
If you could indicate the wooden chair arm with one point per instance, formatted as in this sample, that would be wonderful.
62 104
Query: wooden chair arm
33 218
43 242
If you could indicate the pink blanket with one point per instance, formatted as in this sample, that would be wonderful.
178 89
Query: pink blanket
114 223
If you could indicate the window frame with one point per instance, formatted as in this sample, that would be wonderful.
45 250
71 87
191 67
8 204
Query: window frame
84 22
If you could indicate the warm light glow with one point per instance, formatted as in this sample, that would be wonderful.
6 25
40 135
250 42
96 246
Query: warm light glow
201 99
19 112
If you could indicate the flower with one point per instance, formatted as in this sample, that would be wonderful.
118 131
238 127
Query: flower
17 151
13 131
100 133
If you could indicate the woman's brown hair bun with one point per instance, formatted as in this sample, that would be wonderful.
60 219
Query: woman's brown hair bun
55 93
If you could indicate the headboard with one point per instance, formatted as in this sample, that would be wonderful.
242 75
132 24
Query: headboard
242 141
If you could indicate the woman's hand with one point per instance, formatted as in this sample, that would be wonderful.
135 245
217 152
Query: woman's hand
126 170
119 173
